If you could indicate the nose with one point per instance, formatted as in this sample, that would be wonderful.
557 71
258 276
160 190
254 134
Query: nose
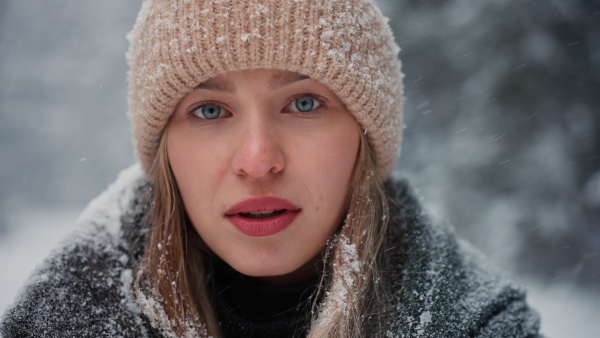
259 151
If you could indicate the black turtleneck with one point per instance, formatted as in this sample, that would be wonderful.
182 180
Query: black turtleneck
248 307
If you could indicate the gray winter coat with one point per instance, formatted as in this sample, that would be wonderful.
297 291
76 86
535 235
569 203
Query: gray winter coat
442 287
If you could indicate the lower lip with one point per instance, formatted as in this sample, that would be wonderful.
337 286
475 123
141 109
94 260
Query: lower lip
263 227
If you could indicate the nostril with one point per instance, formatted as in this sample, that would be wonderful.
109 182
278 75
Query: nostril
259 152
259 167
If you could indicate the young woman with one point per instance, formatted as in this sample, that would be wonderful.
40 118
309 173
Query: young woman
265 131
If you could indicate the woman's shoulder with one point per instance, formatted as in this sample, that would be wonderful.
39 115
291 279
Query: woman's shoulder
83 289
441 285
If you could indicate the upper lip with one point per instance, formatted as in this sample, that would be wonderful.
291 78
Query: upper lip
261 204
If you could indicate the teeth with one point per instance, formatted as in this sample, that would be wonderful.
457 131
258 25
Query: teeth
262 212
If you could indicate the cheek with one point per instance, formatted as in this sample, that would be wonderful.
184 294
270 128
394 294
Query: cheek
340 152
197 171
330 170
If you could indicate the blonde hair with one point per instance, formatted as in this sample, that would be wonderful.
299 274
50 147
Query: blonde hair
172 283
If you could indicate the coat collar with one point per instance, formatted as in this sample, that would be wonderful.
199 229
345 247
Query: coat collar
440 286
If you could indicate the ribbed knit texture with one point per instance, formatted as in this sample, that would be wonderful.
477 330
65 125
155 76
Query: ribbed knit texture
345 44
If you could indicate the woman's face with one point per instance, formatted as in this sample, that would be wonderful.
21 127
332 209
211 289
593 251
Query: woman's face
263 160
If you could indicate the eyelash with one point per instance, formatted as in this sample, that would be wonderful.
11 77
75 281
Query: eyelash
321 100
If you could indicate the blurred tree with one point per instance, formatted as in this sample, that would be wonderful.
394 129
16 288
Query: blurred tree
503 118
4 140
64 131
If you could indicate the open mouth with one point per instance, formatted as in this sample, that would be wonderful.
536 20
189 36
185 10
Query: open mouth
262 214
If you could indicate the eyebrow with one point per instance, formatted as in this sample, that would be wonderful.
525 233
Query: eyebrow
277 81
286 78
216 85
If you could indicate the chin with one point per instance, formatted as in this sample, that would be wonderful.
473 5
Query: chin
277 271
260 269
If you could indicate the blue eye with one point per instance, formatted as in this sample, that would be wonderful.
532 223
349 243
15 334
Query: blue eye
304 104
208 111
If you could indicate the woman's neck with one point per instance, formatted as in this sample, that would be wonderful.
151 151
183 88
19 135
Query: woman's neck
258 307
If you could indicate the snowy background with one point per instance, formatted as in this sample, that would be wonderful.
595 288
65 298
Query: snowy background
502 138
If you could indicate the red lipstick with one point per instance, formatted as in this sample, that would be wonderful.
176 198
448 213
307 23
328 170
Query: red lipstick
264 216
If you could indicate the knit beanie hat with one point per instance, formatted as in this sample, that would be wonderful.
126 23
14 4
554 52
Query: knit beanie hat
346 45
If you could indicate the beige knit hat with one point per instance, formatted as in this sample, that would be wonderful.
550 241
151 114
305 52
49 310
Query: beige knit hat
345 44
